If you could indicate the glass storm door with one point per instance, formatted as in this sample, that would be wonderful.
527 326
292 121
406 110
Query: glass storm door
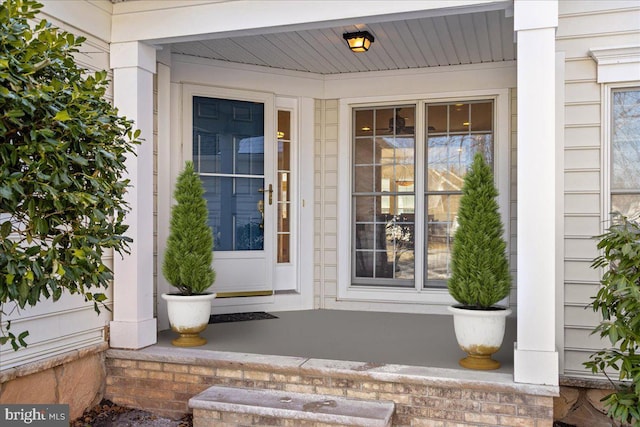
235 165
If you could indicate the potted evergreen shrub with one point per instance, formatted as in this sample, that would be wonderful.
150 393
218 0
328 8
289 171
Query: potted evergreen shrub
187 261
480 270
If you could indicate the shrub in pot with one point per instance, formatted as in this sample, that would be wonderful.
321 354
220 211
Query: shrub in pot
187 261
480 275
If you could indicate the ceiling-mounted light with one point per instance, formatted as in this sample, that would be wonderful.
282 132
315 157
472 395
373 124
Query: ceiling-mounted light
360 41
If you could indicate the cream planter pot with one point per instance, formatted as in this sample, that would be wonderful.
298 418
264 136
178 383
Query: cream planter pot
188 316
480 334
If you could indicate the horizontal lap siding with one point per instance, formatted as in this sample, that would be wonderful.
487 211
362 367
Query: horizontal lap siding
584 26
326 203
70 323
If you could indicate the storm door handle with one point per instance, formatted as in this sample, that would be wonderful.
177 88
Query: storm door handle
270 191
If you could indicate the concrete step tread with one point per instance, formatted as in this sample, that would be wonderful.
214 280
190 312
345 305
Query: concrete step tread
300 406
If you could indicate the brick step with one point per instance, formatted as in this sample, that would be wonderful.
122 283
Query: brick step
230 407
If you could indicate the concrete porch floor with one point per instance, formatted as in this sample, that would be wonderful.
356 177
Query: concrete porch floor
409 359
424 340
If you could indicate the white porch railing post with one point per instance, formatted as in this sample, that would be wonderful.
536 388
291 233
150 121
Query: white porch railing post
535 357
133 324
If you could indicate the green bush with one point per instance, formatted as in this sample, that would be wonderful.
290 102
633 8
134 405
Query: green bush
479 267
62 159
187 261
618 302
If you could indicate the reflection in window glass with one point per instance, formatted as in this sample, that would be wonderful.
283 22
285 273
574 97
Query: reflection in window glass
625 152
383 196
456 132
384 190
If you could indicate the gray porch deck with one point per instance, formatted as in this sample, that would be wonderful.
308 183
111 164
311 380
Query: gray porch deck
409 359
424 340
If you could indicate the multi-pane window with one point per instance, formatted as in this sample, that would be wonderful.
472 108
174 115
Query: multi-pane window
625 152
455 133
384 192
384 196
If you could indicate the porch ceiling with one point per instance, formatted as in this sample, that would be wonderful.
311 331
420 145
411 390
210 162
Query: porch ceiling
434 41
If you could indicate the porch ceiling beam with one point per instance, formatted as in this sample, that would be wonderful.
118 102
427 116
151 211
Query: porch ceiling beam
93 17
196 20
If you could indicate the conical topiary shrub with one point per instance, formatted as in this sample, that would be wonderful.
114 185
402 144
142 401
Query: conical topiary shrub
187 261
480 270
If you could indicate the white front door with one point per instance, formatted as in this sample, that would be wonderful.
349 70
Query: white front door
232 147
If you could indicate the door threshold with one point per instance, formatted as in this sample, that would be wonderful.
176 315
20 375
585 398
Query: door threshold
244 294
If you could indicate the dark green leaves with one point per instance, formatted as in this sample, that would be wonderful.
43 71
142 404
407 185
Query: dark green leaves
618 302
62 157
16 342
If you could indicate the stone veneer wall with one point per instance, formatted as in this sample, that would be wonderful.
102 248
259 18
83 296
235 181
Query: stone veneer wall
579 402
163 384
76 378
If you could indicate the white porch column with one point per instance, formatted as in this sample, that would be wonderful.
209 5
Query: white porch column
133 324
535 357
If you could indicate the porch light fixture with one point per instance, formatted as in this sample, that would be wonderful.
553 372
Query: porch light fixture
359 41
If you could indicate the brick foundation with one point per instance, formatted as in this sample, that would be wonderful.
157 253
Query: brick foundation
163 384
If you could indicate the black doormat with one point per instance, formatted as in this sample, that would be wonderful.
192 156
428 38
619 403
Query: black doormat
240 317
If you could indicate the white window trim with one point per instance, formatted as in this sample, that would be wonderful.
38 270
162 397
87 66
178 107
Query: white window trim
418 294
605 167
617 64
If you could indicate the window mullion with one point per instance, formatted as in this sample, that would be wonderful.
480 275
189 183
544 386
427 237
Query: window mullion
419 194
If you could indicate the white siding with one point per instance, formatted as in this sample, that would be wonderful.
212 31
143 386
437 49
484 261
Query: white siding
584 26
326 204
70 323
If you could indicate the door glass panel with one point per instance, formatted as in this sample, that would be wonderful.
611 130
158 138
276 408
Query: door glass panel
284 185
233 215
228 152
